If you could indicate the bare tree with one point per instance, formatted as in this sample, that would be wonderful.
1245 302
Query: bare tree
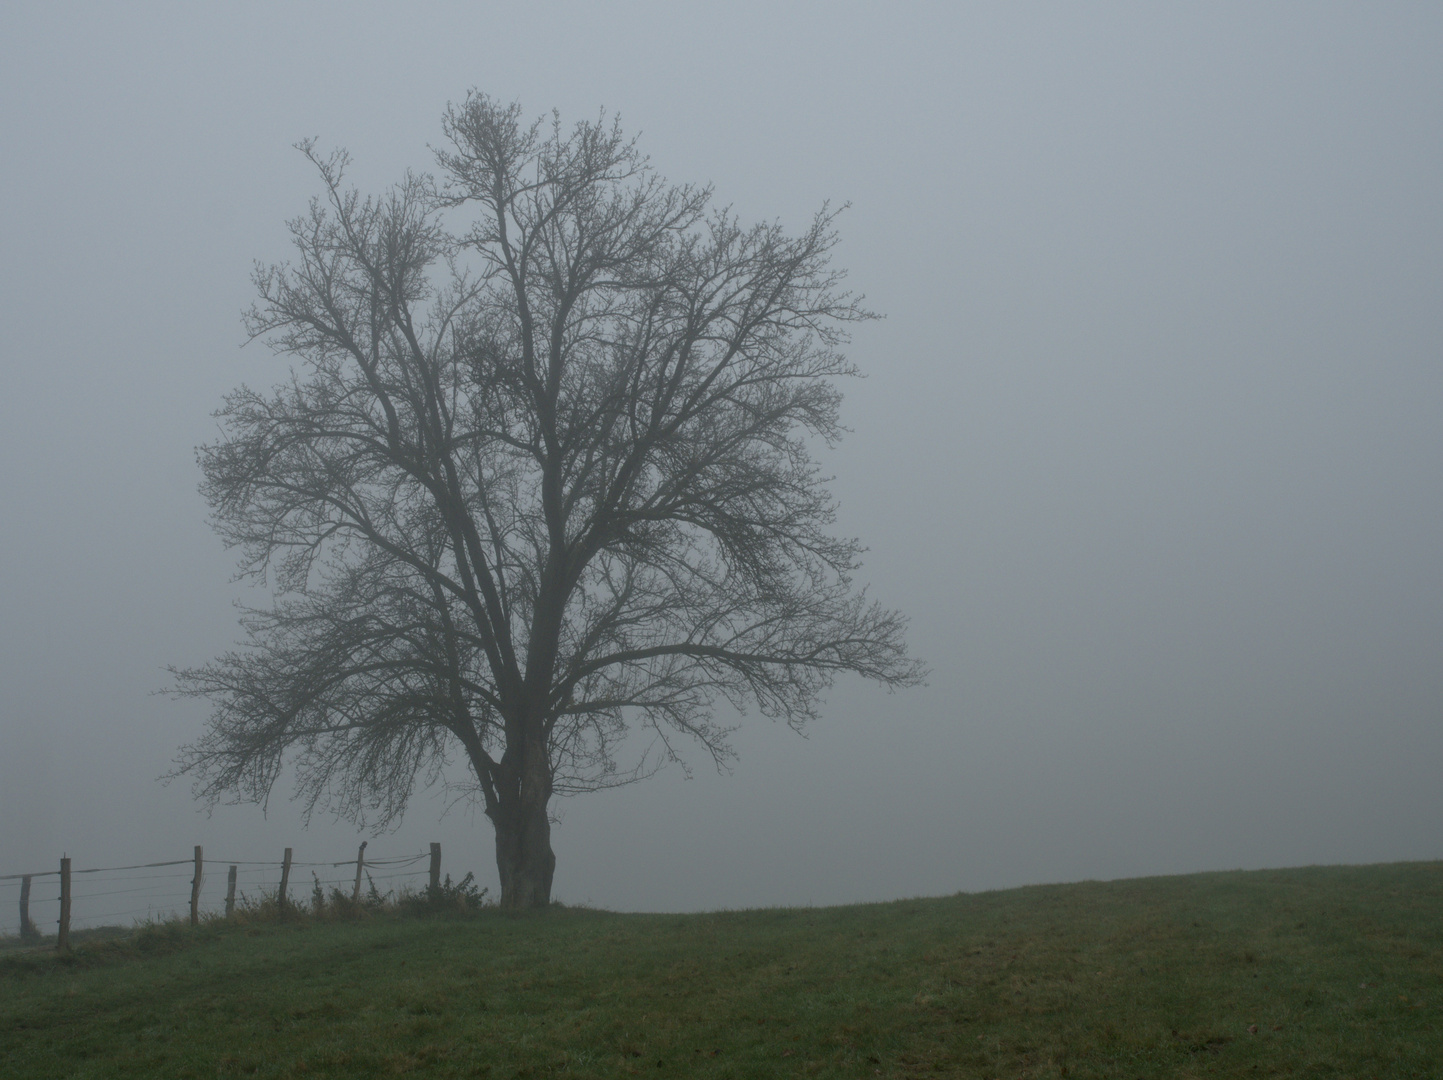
540 476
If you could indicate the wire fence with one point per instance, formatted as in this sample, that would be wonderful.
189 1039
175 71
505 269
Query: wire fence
55 901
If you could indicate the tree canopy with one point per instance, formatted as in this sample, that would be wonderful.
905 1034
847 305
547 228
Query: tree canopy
541 477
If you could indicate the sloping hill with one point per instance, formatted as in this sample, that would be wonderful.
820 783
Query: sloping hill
1313 972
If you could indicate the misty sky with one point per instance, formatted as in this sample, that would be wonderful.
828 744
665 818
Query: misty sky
1149 444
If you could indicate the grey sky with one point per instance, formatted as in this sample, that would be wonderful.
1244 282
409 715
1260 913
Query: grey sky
1149 445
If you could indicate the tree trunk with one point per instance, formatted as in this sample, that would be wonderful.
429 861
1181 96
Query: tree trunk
524 859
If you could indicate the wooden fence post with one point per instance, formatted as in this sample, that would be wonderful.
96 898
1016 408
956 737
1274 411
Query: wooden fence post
230 893
435 869
27 928
63 939
285 880
360 865
195 888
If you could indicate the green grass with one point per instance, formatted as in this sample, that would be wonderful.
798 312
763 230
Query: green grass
1321 972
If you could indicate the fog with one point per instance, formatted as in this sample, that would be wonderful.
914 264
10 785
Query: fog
1148 445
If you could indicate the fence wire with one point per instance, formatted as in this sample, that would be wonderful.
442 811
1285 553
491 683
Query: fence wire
127 895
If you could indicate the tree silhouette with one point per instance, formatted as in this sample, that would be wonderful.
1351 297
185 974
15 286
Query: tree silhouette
541 476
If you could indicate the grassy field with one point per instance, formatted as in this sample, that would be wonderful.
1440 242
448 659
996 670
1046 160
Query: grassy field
1320 972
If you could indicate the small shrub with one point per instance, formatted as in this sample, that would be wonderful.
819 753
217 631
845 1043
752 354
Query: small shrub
374 900
341 905
462 896
261 909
